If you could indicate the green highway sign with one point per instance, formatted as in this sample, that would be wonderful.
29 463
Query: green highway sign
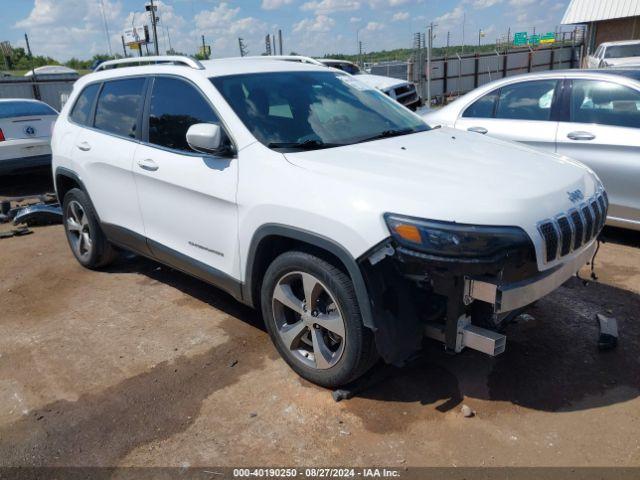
520 39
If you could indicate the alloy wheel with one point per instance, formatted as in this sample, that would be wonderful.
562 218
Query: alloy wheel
77 224
308 320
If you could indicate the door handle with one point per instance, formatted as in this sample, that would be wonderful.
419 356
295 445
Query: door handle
581 136
148 165
480 130
84 146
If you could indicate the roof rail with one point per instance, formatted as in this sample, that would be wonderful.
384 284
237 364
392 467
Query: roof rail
288 58
161 59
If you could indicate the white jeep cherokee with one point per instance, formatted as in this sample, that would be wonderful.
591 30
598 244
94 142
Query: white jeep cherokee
356 228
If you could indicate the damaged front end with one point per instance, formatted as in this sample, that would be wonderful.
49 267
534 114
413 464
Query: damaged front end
456 283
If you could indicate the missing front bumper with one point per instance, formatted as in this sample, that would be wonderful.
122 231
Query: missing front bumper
512 296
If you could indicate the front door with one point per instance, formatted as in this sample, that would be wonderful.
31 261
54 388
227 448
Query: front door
520 112
188 199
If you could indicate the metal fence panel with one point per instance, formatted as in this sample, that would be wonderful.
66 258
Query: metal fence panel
51 91
457 75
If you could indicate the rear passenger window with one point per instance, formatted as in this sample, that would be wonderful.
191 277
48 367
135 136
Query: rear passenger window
483 107
118 106
175 106
605 103
82 108
526 100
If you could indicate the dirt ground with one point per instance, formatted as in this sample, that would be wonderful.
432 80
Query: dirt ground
140 365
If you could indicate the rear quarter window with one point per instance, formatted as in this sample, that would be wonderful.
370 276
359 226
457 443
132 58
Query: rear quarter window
25 109
82 108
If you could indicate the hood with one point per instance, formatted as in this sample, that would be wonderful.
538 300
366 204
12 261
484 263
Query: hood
380 82
453 176
622 62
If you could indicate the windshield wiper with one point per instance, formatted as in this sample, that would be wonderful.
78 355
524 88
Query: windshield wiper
306 145
390 133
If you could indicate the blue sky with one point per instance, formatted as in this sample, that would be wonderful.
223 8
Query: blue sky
67 28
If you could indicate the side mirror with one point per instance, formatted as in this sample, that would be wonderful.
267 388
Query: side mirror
206 138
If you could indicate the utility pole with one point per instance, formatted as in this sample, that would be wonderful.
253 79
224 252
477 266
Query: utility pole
34 86
429 51
152 9
243 48
169 37
479 38
280 40
204 49
124 48
464 21
267 44
360 52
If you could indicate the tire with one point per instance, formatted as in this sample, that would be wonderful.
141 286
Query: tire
86 239
333 327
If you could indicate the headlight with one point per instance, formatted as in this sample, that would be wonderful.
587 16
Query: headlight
453 239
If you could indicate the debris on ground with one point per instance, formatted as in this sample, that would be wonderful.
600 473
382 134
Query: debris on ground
608 332
39 214
467 411
525 317
16 232
233 363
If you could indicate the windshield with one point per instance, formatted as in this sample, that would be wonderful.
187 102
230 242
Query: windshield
24 109
305 110
623 51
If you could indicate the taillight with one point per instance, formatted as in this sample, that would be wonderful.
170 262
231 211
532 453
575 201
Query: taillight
1 136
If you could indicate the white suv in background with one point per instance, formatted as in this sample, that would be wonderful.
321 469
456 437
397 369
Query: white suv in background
354 227
624 54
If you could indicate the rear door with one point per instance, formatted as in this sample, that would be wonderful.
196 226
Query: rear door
521 112
603 131
103 152
188 199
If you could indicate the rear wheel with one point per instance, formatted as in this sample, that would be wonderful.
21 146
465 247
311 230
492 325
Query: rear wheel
87 241
313 318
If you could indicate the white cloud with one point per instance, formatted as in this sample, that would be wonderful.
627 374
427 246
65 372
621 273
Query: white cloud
275 4
66 28
331 6
374 26
400 16
355 20
321 23
451 17
480 4
522 3
223 25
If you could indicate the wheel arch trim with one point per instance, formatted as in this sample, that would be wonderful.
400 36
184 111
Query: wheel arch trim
316 240
65 172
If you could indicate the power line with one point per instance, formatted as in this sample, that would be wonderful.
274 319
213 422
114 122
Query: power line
106 27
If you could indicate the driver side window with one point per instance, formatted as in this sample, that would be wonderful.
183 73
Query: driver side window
175 106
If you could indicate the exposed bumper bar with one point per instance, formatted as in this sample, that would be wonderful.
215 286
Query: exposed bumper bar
508 297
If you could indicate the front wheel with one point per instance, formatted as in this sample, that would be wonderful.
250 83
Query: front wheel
312 315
